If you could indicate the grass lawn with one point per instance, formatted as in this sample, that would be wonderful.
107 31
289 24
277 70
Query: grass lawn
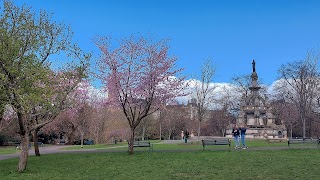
240 164
8 150
175 164
103 146
157 146
189 145
236 164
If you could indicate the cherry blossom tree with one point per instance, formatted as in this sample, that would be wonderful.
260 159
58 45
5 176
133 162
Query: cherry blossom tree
76 117
62 88
26 42
3 102
81 98
6 117
97 117
139 75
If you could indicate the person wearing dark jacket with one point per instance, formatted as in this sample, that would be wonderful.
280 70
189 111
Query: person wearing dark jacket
236 132
243 130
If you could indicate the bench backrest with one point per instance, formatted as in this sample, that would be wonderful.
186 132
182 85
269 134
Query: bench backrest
141 143
220 141
300 141
11 143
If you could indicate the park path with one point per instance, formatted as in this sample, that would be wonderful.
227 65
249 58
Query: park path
54 149
43 150
59 149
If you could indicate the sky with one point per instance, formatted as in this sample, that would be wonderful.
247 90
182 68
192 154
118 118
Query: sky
231 33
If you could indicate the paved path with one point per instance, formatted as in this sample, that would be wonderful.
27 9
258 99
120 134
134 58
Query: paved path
43 150
59 149
54 149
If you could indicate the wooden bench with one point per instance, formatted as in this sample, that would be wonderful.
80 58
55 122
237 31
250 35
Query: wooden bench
40 144
276 140
10 143
142 144
216 141
303 141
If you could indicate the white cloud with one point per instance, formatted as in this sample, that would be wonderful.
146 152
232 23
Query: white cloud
219 90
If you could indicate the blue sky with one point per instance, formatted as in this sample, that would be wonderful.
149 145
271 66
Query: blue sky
232 33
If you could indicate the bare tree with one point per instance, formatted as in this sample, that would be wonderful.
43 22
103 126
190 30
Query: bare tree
300 82
287 113
203 91
174 120
228 102
218 122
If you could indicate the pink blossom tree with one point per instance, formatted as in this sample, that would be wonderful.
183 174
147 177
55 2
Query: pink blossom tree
27 41
139 75
75 116
63 88
6 116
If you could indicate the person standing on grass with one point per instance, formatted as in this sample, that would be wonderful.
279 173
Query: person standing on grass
235 132
243 130
182 135
186 136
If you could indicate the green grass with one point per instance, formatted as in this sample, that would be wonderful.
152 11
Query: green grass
102 146
241 164
96 146
8 150
194 145
182 145
262 143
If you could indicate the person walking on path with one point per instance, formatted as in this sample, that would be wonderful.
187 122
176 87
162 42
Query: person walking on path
243 130
235 132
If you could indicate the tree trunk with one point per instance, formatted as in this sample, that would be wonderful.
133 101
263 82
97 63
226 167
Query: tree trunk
131 140
81 139
304 128
71 139
143 131
35 142
291 127
169 134
160 133
24 152
223 132
309 127
199 129
170 129
302 116
97 135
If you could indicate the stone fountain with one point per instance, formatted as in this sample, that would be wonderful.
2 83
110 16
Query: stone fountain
256 113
